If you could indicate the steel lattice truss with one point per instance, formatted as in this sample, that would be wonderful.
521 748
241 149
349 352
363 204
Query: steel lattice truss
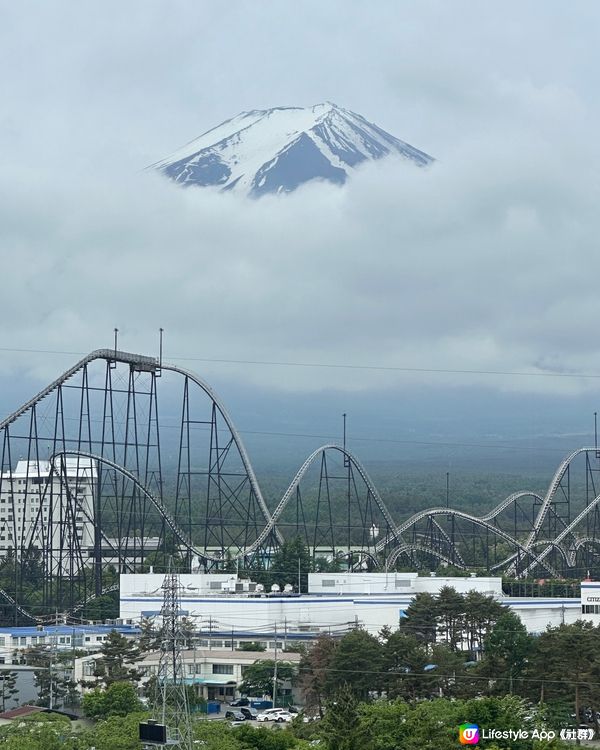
123 461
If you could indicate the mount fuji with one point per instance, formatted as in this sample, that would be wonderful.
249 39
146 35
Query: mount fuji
277 150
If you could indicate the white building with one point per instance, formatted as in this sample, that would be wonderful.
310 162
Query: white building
334 604
590 601
215 673
15 640
35 501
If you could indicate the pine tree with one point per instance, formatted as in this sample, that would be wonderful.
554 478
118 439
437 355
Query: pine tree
314 672
356 664
450 607
118 656
341 725
8 687
421 618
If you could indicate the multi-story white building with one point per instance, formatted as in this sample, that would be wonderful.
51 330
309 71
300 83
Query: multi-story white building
215 673
50 510
335 603
16 640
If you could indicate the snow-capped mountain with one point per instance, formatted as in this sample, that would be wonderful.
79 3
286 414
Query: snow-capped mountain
277 150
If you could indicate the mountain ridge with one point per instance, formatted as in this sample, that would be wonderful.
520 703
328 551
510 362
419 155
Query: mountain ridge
276 150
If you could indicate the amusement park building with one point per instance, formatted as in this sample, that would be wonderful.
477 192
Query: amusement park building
333 604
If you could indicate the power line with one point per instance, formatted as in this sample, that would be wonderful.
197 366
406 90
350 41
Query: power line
338 366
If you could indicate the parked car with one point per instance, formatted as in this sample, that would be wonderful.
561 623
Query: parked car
250 714
240 702
235 715
275 714
284 716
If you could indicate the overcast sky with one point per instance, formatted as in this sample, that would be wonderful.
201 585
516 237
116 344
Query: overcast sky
489 260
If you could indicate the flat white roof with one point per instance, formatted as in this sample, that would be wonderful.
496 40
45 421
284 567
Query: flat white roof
35 469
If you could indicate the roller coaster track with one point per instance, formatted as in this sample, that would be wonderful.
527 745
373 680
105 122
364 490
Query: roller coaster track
408 548
142 363
527 554
501 507
269 527
565 532
403 527
236 436
517 555
494 513
110 355
549 497
301 473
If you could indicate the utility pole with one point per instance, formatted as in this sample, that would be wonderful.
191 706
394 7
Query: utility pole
171 708
275 672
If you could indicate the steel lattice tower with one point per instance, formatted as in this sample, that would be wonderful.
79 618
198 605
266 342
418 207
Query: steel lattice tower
171 704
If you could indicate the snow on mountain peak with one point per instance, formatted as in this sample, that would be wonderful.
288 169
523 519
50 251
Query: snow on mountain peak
277 150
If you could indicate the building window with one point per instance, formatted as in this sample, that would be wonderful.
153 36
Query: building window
222 668
328 582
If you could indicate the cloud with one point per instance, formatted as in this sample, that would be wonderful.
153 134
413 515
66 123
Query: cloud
487 261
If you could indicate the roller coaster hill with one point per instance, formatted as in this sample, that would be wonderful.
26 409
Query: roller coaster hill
124 460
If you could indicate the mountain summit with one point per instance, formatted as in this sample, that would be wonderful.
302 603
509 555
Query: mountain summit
277 150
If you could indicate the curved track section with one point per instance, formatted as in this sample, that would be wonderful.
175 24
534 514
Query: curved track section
407 549
402 528
103 414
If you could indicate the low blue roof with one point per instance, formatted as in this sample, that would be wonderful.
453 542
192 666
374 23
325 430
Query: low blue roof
69 630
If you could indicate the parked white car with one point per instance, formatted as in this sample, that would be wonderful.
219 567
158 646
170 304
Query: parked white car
275 714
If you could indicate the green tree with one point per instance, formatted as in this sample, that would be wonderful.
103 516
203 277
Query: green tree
450 607
252 738
480 615
118 655
356 663
216 735
421 618
52 681
341 726
118 699
562 664
292 560
41 732
149 636
506 650
403 661
8 688
314 672
251 646
259 677
323 565
115 733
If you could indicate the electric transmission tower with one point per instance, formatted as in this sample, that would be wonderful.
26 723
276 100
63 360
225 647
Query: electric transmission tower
171 708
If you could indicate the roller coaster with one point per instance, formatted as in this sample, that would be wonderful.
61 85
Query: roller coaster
124 459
